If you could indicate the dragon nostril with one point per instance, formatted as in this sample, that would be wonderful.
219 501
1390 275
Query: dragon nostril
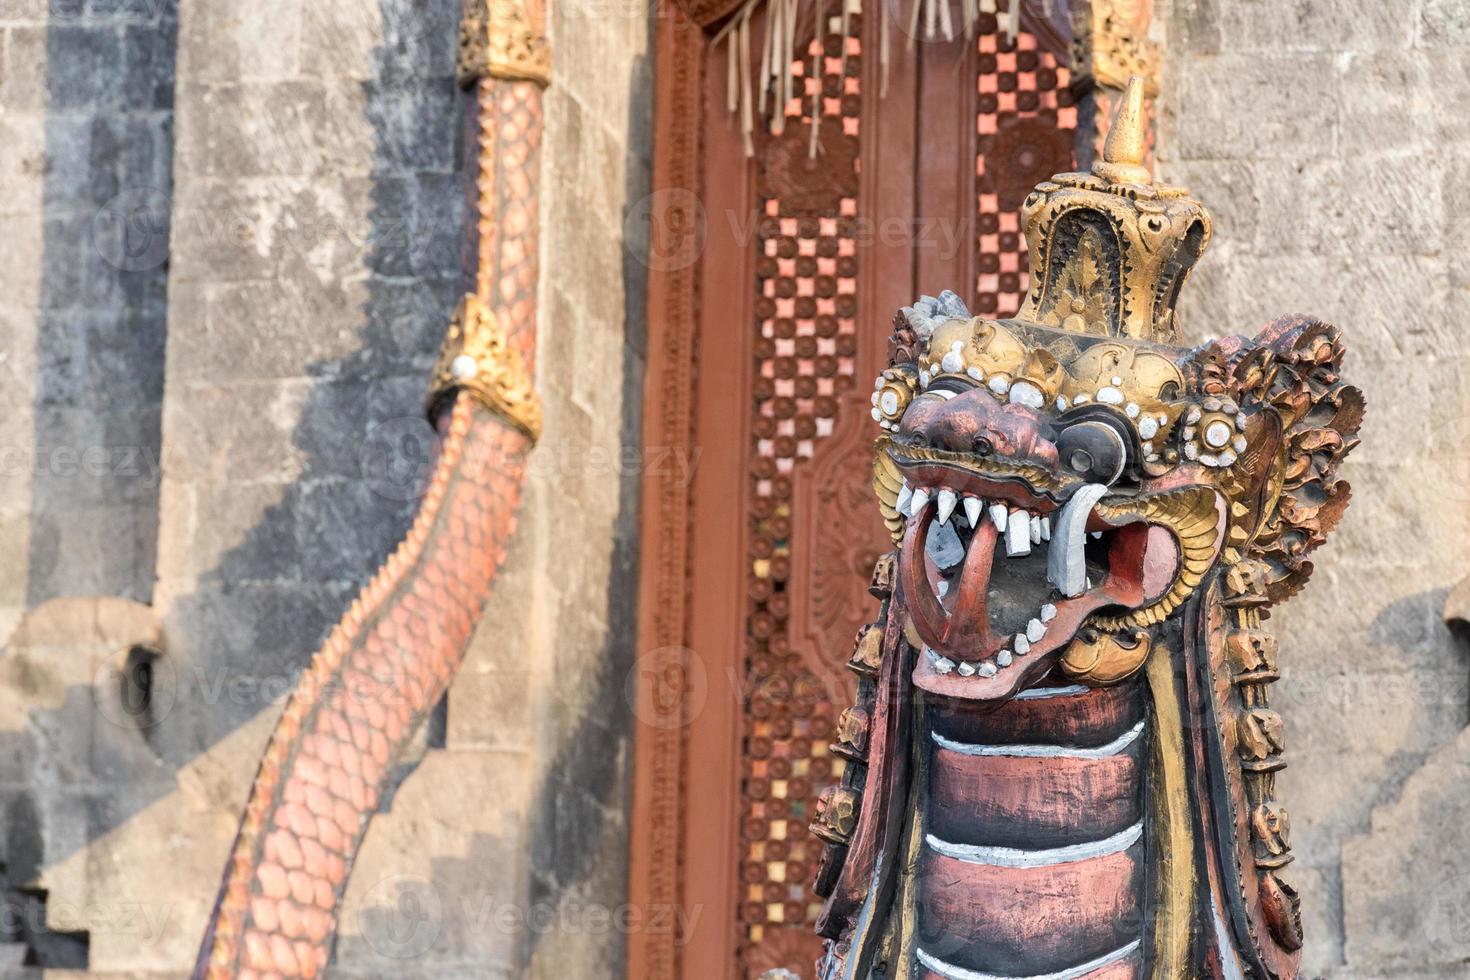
982 446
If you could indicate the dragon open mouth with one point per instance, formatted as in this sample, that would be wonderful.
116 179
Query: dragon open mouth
1000 576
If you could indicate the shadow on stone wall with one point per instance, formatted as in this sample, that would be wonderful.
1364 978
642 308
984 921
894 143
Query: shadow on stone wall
247 630
261 612
258 615
1439 680
101 332
576 853
586 791
102 324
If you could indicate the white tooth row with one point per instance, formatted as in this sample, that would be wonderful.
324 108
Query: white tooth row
1021 528
1021 645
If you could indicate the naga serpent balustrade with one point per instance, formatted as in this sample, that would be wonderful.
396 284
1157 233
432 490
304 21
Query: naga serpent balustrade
393 654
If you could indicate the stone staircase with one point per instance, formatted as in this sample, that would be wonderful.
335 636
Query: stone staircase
27 945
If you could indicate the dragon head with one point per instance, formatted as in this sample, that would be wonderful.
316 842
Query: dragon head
1060 483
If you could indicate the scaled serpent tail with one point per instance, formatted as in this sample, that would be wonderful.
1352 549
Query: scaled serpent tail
393 654
382 669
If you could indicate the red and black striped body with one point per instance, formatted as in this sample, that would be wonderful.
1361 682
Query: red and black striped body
1033 851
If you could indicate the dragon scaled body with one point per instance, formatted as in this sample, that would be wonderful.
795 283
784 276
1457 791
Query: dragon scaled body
1062 755
392 656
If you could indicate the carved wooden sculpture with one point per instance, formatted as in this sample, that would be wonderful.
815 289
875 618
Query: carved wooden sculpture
1061 760
393 654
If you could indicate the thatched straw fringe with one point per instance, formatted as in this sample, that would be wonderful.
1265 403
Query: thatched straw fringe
774 86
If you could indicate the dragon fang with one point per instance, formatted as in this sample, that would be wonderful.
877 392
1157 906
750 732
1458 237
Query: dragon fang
1061 760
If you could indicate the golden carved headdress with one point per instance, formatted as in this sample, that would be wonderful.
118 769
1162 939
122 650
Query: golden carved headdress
1109 249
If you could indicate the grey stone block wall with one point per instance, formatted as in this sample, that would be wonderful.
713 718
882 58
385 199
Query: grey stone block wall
315 262
1331 140
23 166
85 144
104 74
302 170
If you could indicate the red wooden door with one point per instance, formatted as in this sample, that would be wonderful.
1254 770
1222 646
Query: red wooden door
804 263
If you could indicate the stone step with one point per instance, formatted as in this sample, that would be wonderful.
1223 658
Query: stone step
12 959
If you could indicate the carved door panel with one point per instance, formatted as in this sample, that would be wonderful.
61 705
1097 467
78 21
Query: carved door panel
804 264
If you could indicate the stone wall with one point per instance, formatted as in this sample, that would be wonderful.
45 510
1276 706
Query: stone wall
301 169
87 98
1331 141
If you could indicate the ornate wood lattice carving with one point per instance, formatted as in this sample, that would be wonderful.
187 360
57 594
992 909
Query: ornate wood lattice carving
1027 126
812 540
805 351
813 224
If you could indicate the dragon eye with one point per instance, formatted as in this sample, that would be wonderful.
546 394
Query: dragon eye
1093 450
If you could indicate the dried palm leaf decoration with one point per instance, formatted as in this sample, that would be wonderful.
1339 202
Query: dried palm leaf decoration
762 93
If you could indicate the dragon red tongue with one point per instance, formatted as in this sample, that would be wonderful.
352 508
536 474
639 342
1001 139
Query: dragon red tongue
969 615
966 622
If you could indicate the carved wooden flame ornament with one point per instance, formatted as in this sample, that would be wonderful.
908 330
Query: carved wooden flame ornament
1090 522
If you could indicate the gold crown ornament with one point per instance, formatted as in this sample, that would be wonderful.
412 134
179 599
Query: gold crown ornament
1109 249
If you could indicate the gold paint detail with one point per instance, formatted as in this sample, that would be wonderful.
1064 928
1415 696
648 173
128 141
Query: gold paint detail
892 393
911 634
907 901
1250 657
1169 799
885 572
1100 659
853 727
887 483
1109 249
867 653
1110 43
1144 383
477 357
503 39
1124 149
837 814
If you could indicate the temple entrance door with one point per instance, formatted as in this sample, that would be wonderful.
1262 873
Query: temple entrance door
802 263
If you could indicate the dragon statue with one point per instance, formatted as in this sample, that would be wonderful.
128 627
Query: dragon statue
1061 759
